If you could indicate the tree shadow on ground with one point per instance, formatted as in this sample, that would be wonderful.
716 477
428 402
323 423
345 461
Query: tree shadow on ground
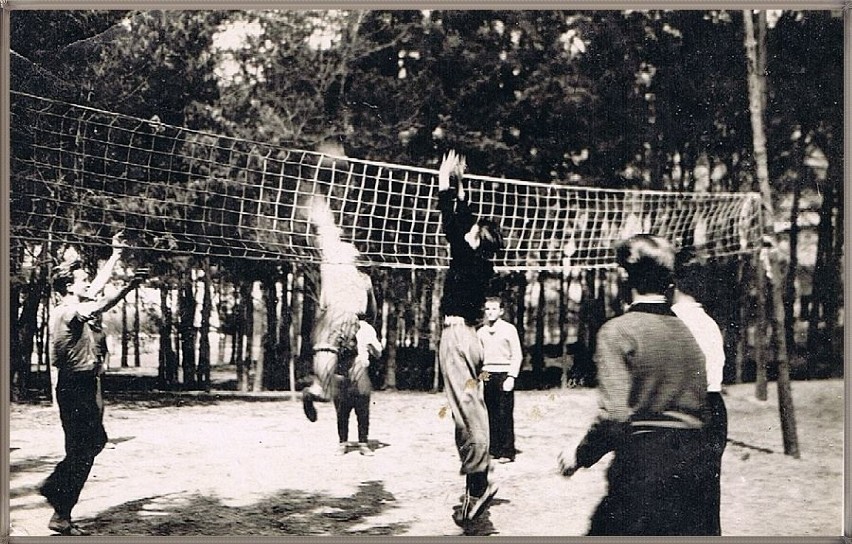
289 512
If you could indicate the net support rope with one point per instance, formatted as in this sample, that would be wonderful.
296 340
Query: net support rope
79 173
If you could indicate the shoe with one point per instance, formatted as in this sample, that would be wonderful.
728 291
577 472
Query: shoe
364 449
308 405
504 460
342 448
472 507
64 526
479 504
460 512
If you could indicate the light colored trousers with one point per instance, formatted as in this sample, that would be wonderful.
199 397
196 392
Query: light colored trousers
461 355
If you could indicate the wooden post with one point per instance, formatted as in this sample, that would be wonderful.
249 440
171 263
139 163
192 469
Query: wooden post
760 328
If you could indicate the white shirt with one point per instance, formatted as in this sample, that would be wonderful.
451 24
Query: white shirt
502 348
366 338
709 339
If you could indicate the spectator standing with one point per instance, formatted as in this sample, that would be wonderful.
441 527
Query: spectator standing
503 356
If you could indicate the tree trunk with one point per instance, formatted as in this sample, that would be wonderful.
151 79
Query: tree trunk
203 371
296 302
124 334
285 321
538 351
246 334
309 312
167 371
757 101
790 278
271 372
564 285
137 353
186 304
393 320
437 325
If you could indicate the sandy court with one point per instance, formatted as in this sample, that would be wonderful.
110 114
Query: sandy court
189 465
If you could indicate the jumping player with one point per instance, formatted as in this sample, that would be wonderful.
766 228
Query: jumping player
346 296
473 243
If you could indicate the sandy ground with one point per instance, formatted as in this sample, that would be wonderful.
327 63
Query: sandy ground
231 466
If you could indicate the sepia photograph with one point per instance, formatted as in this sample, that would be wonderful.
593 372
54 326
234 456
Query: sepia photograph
424 272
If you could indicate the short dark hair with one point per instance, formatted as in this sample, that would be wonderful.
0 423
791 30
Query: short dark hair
490 237
649 261
495 298
691 274
63 275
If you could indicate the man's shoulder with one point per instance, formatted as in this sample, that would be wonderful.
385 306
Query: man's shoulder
505 325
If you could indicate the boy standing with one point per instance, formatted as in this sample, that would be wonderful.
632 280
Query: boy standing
503 357
355 390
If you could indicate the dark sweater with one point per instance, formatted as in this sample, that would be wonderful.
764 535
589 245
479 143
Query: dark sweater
470 272
651 376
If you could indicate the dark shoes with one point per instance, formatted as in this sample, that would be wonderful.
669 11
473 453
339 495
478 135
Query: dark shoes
65 527
308 405
472 507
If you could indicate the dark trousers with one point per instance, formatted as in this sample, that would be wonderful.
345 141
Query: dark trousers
715 439
501 417
354 394
655 487
81 412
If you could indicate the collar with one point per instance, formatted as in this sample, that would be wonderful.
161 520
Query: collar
651 304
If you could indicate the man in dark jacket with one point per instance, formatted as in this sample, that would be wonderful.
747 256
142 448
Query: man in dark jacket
473 243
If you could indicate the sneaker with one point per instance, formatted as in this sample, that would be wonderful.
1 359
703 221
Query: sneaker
342 448
504 460
472 507
308 405
461 512
364 449
479 504
64 526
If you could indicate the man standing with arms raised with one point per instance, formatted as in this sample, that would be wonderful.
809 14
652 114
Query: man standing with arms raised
473 243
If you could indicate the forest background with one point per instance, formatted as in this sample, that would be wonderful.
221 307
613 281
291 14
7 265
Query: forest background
661 100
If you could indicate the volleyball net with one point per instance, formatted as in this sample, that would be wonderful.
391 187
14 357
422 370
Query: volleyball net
79 174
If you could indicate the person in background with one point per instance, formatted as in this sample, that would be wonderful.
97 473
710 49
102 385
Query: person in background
502 363
77 352
346 295
473 245
652 388
690 280
355 390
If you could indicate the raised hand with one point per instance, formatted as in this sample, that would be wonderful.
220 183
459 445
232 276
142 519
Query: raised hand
118 241
449 165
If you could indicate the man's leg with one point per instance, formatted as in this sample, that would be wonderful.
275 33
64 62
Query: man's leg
362 414
492 404
508 427
460 356
81 413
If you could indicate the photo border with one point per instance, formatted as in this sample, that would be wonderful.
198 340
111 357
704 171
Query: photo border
7 6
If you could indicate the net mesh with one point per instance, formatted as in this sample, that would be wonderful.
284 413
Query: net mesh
80 173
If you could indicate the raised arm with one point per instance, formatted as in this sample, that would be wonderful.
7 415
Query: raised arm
97 307
105 273
456 217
